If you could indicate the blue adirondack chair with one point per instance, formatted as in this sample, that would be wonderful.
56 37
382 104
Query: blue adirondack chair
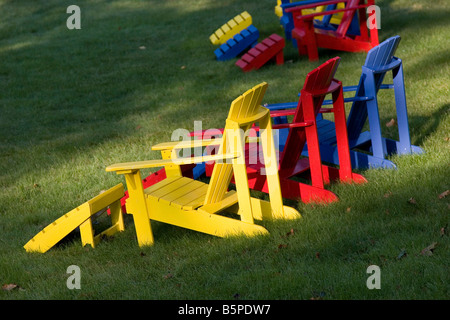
368 148
287 22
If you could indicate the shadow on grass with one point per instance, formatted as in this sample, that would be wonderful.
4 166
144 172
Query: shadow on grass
68 91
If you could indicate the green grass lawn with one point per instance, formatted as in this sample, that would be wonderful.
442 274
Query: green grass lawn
75 101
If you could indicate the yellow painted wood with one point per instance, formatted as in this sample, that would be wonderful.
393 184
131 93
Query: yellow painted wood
172 169
186 144
191 200
128 167
162 184
170 188
271 167
335 19
228 200
79 217
231 28
87 233
195 205
105 198
240 177
278 10
186 194
202 221
138 208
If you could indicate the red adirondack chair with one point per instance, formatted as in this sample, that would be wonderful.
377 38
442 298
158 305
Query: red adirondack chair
302 129
309 38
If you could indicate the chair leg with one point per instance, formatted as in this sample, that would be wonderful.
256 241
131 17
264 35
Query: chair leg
271 168
402 113
312 138
345 165
136 205
378 147
313 53
310 41
279 57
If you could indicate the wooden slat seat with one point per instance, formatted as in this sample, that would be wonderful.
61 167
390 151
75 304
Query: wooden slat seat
182 192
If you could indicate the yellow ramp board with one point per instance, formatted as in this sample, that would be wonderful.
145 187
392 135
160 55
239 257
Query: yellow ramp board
81 217
231 28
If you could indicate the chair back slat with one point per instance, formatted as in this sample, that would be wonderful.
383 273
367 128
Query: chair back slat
347 18
242 108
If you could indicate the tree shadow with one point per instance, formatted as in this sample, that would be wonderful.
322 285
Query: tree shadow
68 91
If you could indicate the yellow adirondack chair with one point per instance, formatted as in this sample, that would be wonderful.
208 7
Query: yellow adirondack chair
195 205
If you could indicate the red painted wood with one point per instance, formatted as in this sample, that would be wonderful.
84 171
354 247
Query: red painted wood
303 129
318 84
309 39
268 49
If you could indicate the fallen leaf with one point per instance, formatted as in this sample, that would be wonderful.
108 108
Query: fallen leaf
37 186
168 276
443 231
11 286
282 246
290 233
142 48
183 67
428 251
412 200
387 194
390 123
444 194
317 255
348 209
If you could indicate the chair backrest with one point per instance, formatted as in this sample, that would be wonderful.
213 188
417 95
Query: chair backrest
326 18
244 111
377 58
316 83
382 55
347 18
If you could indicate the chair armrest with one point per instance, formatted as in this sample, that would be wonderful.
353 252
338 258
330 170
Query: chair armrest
281 106
282 113
290 7
325 13
393 64
296 11
127 167
186 144
293 125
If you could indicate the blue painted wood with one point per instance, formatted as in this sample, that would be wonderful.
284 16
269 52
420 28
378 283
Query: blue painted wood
287 22
239 43
369 148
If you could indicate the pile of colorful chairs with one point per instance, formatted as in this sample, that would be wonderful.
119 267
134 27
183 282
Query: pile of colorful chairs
311 152
309 25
